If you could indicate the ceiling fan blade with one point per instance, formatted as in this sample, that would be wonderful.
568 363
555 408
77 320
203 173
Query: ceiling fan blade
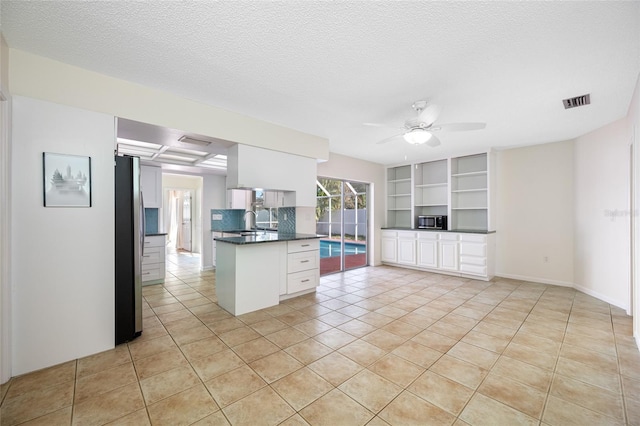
460 127
389 139
433 141
389 126
429 115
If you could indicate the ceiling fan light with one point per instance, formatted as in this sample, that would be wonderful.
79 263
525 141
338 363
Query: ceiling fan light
417 136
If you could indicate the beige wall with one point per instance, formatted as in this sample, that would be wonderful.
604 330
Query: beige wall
43 78
535 213
343 167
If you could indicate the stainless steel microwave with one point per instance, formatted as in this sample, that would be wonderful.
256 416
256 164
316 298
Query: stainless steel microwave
432 222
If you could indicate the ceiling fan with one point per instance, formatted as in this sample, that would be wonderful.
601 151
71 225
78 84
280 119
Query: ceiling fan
419 130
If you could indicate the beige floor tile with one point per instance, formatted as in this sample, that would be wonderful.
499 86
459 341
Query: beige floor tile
60 417
631 387
576 370
137 418
275 366
531 356
335 368
418 354
632 407
202 348
334 338
473 354
268 326
168 383
524 373
301 388
371 390
352 311
486 341
255 349
263 407
173 312
42 379
104 381
227 324
435 341
459 371
109 406
442 392
496 330
312 327
357 328
514 394
192 334
559 412
335 318
287 337
396 369
448 329
103 360
215 419
184 407
588 396
482 410
234 385
216 364
30 405
314 311
536 342
384 340
308 351
238 336
362 352
183 324
293 317
593 359
336 408
402 329
147 348
408 409
376 319
160 362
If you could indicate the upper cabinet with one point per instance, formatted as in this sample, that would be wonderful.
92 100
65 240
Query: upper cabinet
151 186
458 187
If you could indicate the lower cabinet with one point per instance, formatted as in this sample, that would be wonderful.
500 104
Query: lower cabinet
303 267
153 259
454 253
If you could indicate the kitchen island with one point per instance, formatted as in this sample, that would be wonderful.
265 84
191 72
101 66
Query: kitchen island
257 271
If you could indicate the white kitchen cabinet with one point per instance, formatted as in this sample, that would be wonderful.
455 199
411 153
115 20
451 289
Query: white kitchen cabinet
273 199
303 267
407 248
428 250
151 185
448 250
475 254
153 259
239 199
389 247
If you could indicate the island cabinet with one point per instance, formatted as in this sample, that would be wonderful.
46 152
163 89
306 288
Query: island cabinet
153 259
454 253
303 268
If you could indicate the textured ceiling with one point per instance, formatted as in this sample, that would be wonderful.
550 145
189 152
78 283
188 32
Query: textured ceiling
327 67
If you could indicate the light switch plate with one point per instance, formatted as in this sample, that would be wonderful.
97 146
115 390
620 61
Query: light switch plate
216 216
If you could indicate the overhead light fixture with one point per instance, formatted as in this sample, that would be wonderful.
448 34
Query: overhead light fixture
187 139
417 136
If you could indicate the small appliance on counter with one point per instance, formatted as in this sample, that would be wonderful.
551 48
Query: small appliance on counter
432 222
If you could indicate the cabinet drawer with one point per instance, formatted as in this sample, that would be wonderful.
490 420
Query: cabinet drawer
473 269
448 236
153 255
389 234
425 235
303 261
472 249
152 274
154 241
303 245
473 238
405 235
305 280
472 260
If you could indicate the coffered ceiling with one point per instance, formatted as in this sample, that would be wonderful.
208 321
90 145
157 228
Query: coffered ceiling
326 68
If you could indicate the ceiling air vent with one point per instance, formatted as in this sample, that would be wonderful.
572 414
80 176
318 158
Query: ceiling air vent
577 101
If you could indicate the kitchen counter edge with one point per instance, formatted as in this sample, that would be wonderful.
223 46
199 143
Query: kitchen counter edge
267 238
459 231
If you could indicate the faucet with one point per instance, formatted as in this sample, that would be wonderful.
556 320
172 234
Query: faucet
255 217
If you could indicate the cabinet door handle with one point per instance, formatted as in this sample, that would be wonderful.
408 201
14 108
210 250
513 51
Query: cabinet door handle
304 281
304 261
146 273
304 245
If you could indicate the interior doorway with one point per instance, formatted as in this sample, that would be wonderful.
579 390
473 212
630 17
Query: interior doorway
180 226
182 212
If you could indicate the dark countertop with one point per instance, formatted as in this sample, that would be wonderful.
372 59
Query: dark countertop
461 231
156 234
269 237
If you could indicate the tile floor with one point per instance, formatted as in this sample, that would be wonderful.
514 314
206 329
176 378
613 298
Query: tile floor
376 346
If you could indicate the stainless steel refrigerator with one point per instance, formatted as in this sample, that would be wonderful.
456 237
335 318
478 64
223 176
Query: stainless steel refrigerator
129 243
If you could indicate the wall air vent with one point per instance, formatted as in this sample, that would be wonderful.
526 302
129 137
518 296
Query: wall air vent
577 101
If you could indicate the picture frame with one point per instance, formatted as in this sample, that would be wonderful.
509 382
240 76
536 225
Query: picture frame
66 180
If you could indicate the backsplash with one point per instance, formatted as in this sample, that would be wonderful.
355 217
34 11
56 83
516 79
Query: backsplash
227 219
151 221
287 220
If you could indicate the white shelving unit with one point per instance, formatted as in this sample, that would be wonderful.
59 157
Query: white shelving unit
470 193
431 188
399 196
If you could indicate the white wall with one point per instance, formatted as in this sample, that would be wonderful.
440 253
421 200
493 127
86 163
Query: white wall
633 122
42 78
601 176
343 167
63 258
534 213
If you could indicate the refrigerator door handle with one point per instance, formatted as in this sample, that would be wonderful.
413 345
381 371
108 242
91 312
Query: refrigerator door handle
143 219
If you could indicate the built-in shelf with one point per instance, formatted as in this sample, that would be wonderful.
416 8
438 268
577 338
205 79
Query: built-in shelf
432 185
399 180
399 209
399 195
469 190
468 208
480 173
431 205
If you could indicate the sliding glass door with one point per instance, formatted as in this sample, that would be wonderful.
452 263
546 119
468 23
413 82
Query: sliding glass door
341 216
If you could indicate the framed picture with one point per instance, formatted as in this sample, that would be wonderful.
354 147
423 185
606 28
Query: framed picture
67 180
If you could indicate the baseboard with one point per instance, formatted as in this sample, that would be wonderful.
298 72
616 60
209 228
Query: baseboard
535 279
602 297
